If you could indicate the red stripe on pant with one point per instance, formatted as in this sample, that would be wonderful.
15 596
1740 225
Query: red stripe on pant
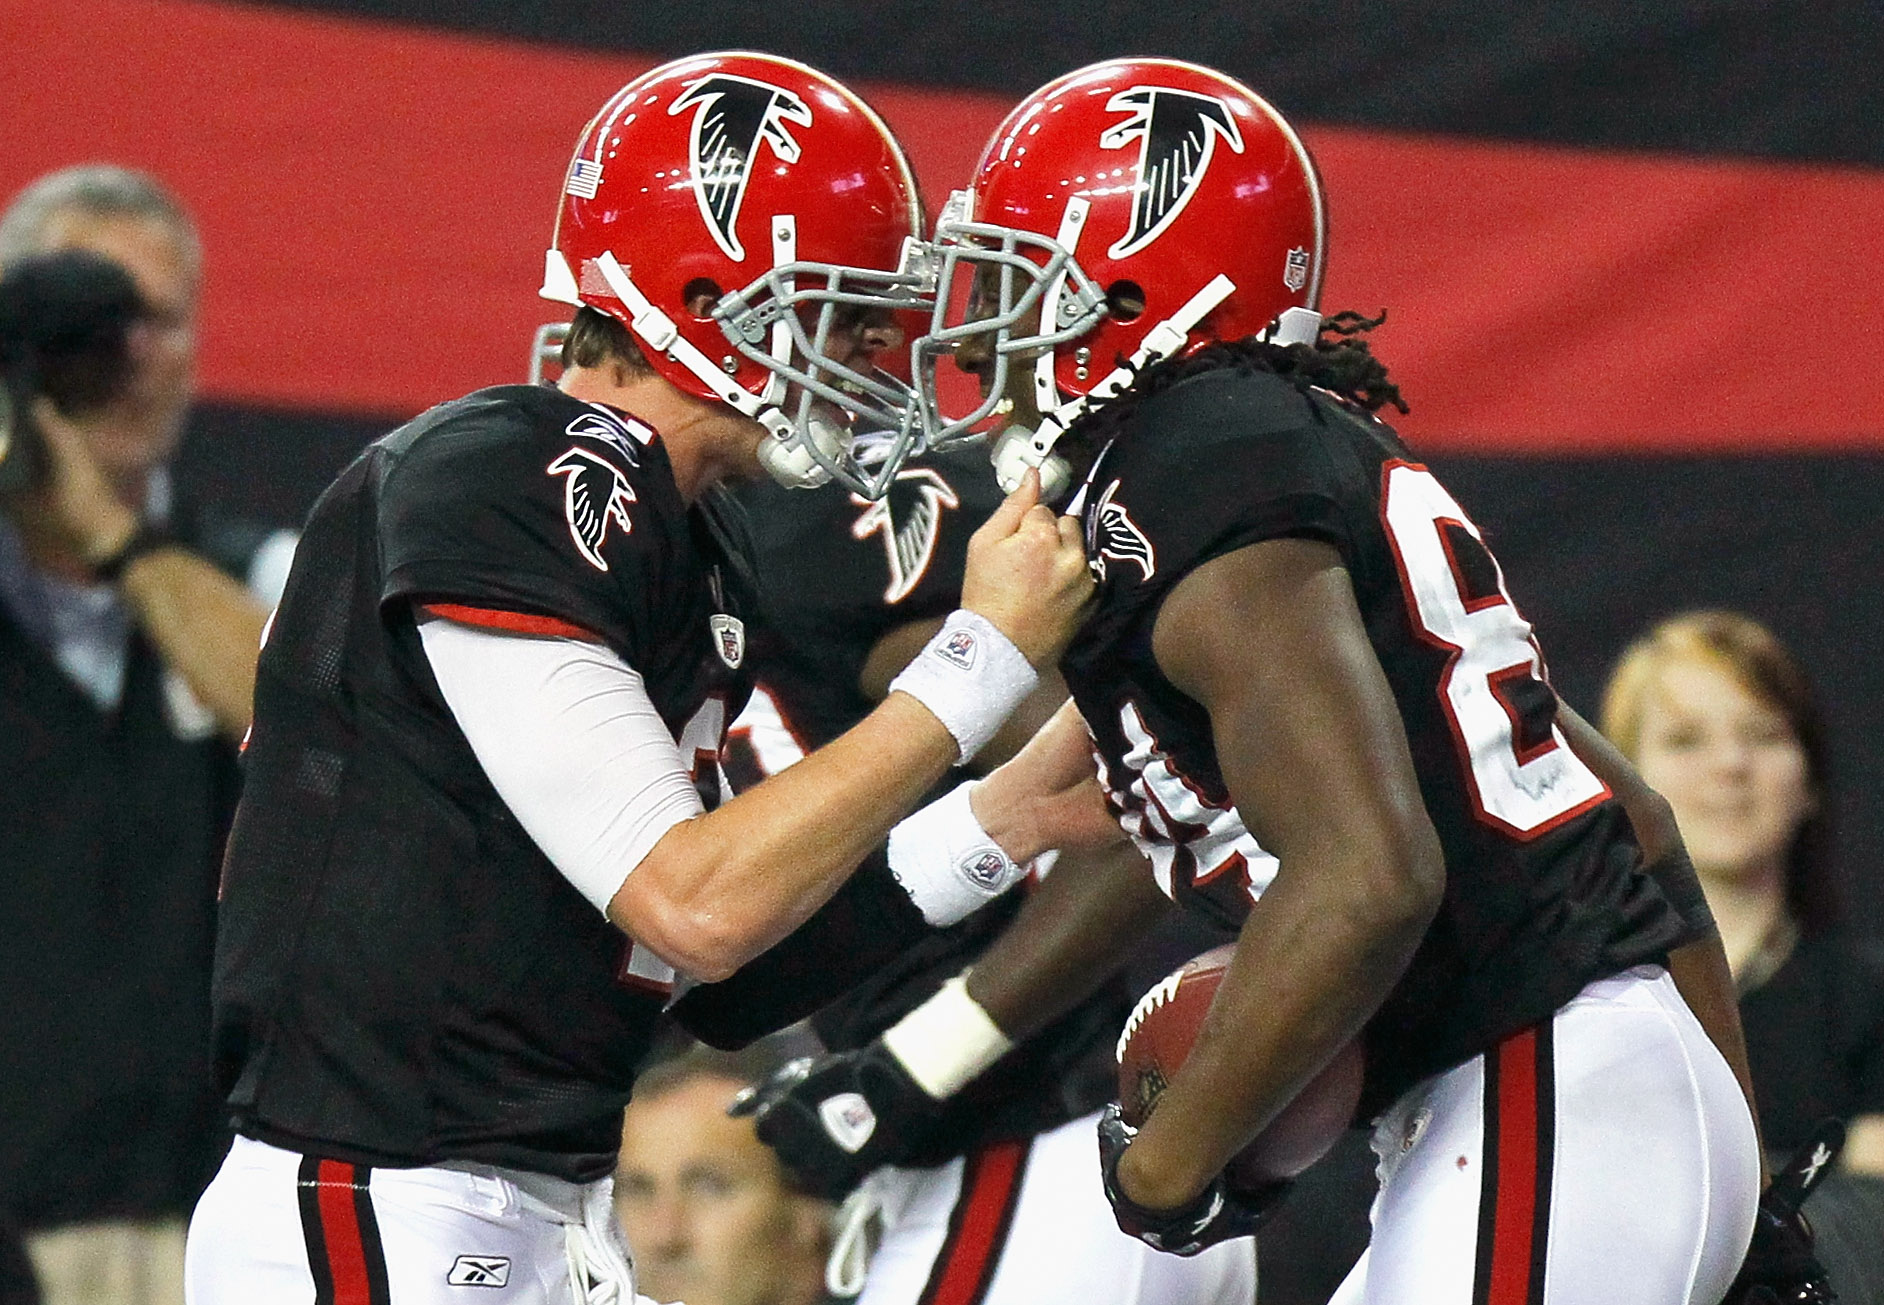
978 1226
343 1246
1514 1201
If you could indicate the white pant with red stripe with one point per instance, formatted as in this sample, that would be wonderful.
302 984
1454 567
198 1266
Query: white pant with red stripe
1026 1223
276 1228
1605 1158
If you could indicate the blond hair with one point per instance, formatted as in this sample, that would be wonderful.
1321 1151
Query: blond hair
1753 655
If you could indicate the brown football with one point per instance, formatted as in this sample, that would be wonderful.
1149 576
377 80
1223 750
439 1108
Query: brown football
1158 1037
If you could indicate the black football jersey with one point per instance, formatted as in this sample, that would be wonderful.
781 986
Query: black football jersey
402 976
836 572
1545 890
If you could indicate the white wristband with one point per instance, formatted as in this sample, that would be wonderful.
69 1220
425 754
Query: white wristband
947 1041
946 861
971 676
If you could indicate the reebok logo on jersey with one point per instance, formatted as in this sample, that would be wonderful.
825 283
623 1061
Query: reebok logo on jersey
732 115
618 432
479 1271
958 649
1177 133
1111 534
594 495
849 1120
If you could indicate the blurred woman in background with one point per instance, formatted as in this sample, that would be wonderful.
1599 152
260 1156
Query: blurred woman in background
1720 720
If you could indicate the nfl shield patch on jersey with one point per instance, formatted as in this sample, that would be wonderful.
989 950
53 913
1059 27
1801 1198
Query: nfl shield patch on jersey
729 638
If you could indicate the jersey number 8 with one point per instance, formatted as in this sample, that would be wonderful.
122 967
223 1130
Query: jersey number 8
1523 776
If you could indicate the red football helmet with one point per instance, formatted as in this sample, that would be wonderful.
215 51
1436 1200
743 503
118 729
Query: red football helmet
1130 210
772 189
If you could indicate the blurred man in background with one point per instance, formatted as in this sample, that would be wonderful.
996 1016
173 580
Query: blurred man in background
127 663
705 1204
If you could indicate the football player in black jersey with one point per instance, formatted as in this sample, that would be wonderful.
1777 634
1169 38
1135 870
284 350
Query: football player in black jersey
850 588
482 828
1318 713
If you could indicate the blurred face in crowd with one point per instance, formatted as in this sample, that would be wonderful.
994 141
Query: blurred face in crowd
140 430
705 1207
1730 764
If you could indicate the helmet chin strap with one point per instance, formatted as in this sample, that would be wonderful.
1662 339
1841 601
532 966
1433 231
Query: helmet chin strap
1016 448
780 452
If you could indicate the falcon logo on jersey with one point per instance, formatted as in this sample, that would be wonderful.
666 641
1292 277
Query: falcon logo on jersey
1112 535
618 432
908 542
731 116
1177 133
595 494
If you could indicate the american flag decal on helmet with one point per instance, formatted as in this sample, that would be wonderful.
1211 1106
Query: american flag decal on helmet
1177 133
731 116
585 178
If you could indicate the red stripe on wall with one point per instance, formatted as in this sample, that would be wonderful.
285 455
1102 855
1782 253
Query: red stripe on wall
376 200
340 1227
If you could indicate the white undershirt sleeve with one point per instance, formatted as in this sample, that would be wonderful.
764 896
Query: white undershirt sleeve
572 744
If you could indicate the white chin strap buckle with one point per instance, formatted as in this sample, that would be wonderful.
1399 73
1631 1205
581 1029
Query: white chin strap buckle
1295 326
787 460
1016 449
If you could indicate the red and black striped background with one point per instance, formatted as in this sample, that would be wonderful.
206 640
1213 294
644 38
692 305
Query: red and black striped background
1631 258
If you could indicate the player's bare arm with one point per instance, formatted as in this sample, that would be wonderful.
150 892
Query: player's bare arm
1699 969
717 890
1046 795
1080 923
1269 640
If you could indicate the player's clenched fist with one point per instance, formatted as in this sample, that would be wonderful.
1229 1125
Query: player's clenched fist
1027 574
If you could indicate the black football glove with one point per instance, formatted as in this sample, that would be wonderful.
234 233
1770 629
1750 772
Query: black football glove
833 1119
1780 1268
1217 1214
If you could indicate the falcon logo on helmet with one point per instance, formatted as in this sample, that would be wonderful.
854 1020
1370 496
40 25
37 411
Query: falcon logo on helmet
1177 131
594 494
731 116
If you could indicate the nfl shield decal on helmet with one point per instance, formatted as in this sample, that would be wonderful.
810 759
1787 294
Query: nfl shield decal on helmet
594 494
731 117
729 639
1295 268
1177 133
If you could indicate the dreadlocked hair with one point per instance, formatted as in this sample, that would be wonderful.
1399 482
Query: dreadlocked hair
1339 361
